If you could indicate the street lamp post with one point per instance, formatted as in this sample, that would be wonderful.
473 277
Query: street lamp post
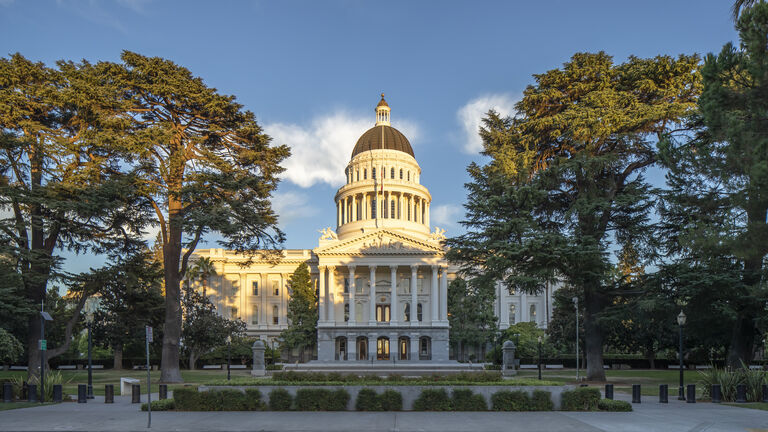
229 345
44 316
681 323
89 310
576 306
539 358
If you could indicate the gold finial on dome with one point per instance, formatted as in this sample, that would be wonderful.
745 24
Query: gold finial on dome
382 112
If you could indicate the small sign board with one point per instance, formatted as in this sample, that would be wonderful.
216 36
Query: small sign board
149 334
43 344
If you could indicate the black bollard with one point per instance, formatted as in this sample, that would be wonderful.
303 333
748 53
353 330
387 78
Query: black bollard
82 393
24 392
109 393
741 393
635 393
609 391
691 393
163 390
663 393
57 393
765 393
32 392
717 393
7 392
135 393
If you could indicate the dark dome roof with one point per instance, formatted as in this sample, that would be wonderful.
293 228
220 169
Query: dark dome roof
382 138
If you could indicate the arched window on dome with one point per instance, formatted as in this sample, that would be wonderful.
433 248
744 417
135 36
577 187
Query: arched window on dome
401 173
357 175
392 173
409 176
365 173
392 209
373 173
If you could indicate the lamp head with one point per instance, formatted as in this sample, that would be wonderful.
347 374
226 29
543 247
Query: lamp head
229 340
539 339
681 318
575 300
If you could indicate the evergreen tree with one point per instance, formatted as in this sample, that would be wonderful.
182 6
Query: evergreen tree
204 164
564 185
470 307
716 207
302 312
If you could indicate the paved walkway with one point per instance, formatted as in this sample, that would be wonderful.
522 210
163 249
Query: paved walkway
124 416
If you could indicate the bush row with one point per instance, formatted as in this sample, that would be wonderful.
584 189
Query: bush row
437 399
316 377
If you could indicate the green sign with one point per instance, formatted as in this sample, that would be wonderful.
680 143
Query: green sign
43 344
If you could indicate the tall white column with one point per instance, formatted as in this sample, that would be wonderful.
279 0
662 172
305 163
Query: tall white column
433 298
444 295
338 214
354 208
414 298
331 295
351 296
426 221
394 318
524 307
372 295
321 299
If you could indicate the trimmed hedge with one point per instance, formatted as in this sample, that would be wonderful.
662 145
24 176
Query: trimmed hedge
317 399
506 400
542 401
216 400
160 405
391 400
614 405
280 400
187 399
466 400
433 400
368 400
581 399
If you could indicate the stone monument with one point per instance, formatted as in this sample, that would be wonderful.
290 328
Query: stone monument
508 359
259 368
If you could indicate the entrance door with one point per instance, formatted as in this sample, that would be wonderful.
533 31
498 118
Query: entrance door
405 348
382 348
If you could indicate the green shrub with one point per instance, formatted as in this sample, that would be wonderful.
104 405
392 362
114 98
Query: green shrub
274 367
506 400
614 405
280 400
253 400
432 400
317 399
160 405
187 399
581 399
368 400
542 401
730 378
229 400
465 400
391 400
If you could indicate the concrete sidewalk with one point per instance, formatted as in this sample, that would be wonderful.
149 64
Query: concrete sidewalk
123 416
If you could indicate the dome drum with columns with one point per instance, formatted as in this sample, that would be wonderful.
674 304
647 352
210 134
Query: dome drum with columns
382 276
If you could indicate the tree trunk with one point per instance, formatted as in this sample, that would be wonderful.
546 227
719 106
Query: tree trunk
192 359
650 355
171 372
742 342
593 335
117 364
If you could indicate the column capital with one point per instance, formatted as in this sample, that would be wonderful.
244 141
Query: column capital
331 267
414 267
351 267
372 267
435 267
322 267
393 267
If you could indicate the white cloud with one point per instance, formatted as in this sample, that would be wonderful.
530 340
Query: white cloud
471 115
292 205
445 215
321 150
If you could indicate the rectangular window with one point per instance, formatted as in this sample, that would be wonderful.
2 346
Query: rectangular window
405 285
233 312
419 308
254 314
346 311
359 285
512 314
275 315
276 287
255 288
346 285
532 315
420 285
382 313
359 312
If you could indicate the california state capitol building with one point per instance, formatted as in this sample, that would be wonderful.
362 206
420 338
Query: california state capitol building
381 276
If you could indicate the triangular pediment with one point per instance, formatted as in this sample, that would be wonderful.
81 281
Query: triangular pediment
381 242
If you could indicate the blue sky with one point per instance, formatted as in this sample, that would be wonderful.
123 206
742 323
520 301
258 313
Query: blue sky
312 70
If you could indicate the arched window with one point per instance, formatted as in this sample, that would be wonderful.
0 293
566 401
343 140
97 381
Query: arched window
357 175
382 348
404 347
392 173
373 173
512 314
254 314
401 173
409 176
425 348
365 173
532 316
275 316
341 348
418 312
407 312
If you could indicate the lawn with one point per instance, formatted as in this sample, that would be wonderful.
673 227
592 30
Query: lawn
109 376
10 406
622 380
754 405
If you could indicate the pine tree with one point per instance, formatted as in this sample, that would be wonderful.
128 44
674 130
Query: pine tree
302 312
564 185
470 307
717 204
